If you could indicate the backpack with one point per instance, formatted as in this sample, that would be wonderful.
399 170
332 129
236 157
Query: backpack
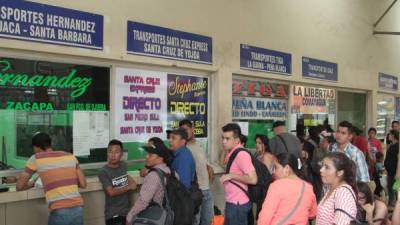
196 195
258 191
156 214
180 200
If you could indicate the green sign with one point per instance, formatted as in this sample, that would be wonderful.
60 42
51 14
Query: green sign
71 81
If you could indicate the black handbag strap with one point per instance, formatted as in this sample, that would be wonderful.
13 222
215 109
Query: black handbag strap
350 216
283 141
343 211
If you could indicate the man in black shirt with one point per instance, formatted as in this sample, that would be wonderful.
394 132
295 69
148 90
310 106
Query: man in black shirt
391 164
395 127
116 184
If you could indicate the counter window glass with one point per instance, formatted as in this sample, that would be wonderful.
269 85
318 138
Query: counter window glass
69 102
255 106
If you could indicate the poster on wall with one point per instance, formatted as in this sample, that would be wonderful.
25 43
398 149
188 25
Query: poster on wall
140 104
188 99
31 21
313 100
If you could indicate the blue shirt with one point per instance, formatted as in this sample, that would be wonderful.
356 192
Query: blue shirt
358 158
184 165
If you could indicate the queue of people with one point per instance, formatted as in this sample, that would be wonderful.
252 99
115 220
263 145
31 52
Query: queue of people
320 179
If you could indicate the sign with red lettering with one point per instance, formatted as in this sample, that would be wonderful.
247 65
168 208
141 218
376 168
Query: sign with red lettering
188 99
313 100
140 105
259 89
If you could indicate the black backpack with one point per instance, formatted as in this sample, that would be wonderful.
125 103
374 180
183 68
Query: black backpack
258 191
180 200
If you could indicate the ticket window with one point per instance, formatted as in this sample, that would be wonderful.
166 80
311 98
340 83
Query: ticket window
385 114
352 107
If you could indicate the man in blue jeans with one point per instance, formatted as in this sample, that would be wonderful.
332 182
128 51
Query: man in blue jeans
241 173
61 176
203 171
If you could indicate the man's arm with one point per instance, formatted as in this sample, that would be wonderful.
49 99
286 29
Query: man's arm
114 191
222 158
396 211
243 160
362 167
250 178
210 171
81 178
23 182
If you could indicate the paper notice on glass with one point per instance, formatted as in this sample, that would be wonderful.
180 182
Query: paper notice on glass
244 126
100 132
81 133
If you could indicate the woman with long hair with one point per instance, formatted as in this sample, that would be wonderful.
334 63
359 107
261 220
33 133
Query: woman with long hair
262 151
339 204
290 200
372 210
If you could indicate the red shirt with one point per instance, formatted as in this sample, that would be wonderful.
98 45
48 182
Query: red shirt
361 143
376 143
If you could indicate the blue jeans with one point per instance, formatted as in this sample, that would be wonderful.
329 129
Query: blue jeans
206 212
392 193
207 208
67 216
236 214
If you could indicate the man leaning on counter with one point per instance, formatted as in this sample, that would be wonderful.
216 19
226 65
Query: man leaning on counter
61 177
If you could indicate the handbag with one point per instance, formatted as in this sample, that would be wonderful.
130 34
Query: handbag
383 180
155 214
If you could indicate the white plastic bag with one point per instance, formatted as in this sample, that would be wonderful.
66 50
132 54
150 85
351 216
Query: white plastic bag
383 181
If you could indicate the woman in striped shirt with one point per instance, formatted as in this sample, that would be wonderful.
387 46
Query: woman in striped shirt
338 205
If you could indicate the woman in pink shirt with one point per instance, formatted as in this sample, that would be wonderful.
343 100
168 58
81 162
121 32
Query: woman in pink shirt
338 205
290 200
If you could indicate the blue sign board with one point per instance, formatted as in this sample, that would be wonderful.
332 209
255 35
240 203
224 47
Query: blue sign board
31 21
397 100
388 81
265 60
149 40
318 69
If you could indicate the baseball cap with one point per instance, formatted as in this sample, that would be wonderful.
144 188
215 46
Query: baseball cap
158 149
278 123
